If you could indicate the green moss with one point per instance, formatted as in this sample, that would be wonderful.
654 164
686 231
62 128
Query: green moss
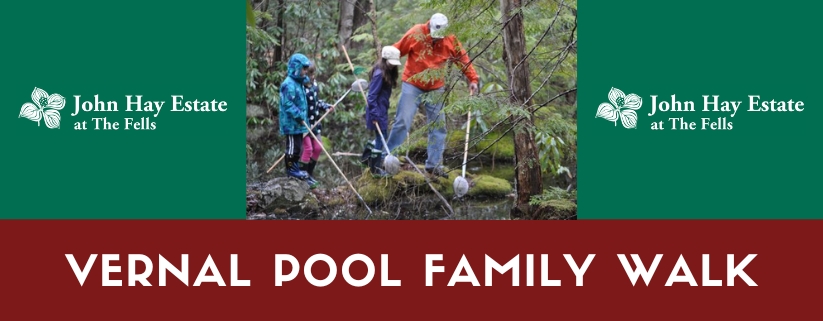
375 190
556 203
409 178
503 149
455 140
504 171
561 205
559 209
417 145
381 190
489 186
445 186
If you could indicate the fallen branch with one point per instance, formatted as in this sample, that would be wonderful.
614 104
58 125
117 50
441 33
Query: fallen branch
344 154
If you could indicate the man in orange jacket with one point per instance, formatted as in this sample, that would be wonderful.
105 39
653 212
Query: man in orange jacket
428 48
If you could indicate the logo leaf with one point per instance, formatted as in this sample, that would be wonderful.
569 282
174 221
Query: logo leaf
607 111
38 93
31 112
633 102
615 93
56 102
629 118
51 118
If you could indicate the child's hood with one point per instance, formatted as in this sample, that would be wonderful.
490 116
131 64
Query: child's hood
296 64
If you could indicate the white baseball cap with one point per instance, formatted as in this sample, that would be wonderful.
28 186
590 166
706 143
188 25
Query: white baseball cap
437 25
392 55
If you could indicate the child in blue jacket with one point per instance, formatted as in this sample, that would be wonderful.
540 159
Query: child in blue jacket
382 79
293 110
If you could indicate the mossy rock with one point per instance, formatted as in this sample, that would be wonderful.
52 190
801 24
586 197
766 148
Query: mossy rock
374 193
562 209
485 185
556 203
382 190
375 190
409 178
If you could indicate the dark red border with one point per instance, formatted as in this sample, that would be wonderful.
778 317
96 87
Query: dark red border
38 282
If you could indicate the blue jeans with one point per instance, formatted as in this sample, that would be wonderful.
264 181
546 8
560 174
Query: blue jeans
410 98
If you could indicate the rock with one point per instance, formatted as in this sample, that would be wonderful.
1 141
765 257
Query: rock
282 196
257 217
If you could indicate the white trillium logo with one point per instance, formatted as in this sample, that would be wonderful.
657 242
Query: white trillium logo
622 107
45 107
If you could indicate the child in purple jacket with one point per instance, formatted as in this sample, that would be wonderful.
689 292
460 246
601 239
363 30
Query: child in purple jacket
382 79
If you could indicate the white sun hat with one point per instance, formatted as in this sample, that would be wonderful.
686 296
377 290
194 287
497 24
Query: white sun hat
437 25
392 55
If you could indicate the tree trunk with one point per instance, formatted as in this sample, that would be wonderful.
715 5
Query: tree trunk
278 49
346 23
360 18
527 178
373 12
264 7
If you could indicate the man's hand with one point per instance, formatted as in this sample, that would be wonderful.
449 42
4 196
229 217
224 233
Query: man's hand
473 88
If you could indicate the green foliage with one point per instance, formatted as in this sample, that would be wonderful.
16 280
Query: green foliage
556 139
262 76
249 13
553 194
558 203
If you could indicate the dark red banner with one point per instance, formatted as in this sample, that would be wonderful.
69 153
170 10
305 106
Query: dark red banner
570 269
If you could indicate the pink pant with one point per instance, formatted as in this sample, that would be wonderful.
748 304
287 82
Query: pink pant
311 149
